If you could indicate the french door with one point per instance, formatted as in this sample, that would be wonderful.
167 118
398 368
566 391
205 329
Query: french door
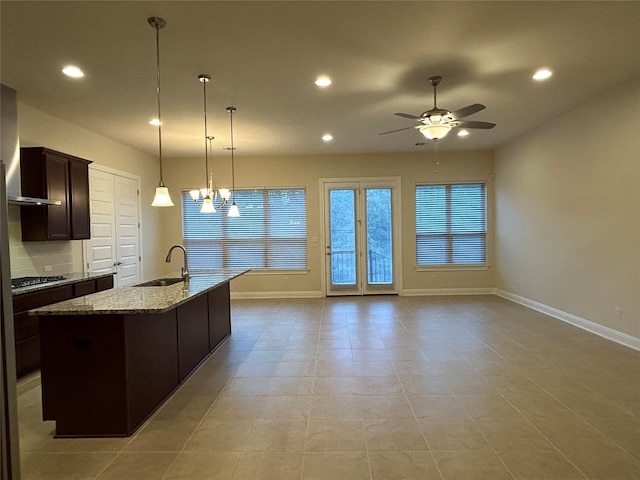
361 240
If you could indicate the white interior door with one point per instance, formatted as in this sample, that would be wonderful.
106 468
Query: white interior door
114 246
100 250
361 224
127 231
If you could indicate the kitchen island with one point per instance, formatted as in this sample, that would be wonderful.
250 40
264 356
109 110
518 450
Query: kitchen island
35 291
110 359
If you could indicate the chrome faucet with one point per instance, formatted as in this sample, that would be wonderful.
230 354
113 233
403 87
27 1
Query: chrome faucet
183 270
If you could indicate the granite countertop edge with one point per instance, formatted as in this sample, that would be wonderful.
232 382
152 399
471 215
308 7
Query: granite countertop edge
141 300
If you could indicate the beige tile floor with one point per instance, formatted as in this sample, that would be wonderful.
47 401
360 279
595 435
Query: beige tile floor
376 388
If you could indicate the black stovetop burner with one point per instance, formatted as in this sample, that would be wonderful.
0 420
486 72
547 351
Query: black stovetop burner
30 281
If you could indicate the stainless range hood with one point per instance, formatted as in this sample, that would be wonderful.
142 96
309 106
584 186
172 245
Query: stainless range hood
10 150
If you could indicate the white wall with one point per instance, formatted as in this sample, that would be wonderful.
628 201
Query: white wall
568 212
306 171
37 128
162 228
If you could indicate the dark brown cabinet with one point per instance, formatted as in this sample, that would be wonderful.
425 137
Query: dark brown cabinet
54 175
79 198
219 303
193 334
26 328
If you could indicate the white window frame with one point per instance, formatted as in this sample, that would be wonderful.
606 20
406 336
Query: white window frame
262 239
452 266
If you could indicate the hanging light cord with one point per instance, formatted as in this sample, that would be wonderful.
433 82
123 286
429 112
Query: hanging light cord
204 80
233 172
210 177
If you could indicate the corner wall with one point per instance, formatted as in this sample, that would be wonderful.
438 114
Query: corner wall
37 128
567 206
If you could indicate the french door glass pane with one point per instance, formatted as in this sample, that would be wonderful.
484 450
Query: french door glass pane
379 245
343 237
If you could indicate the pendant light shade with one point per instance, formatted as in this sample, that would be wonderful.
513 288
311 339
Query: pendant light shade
233 210
162 197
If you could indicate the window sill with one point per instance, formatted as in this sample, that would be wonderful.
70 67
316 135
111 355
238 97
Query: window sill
257 271
450 268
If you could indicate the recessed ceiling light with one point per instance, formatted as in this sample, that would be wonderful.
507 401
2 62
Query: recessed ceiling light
72 71
327 137
155 122
323 81
542 74
463 133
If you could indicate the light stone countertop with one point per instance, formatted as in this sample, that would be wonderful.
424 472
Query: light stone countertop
69 278
137 300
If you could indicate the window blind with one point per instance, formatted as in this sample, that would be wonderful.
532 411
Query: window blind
451 224
271 232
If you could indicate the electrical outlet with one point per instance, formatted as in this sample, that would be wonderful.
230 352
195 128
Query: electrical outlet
48 268
618 312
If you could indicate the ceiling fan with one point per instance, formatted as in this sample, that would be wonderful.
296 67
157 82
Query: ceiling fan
436 123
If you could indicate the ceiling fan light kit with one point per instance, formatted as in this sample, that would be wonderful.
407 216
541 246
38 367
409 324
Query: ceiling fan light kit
435 131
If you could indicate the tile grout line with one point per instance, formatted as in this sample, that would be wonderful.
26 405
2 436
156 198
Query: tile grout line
415 417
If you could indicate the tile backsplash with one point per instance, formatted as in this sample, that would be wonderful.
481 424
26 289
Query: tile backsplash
35 258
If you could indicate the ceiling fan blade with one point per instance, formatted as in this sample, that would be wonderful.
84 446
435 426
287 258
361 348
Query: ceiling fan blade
407 115
398 130
472 124
466 111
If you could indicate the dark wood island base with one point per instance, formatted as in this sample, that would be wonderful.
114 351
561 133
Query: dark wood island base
103 374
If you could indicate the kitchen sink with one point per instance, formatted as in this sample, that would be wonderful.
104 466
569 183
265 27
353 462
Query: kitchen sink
159 282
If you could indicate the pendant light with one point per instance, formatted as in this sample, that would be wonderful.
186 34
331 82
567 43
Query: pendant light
162 197
207 202
209 195
233 210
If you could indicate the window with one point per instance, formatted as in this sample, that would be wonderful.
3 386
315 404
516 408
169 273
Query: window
270 234
451 224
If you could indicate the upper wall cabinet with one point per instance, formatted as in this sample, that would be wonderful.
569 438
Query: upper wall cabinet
49 174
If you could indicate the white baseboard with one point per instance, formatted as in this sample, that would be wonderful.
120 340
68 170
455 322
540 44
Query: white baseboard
418 292
605 332
258 295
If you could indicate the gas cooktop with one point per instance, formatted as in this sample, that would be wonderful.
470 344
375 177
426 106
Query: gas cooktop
30 281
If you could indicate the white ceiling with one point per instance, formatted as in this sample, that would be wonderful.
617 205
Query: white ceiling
264 56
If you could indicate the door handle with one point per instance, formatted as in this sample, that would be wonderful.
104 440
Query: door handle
117 264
